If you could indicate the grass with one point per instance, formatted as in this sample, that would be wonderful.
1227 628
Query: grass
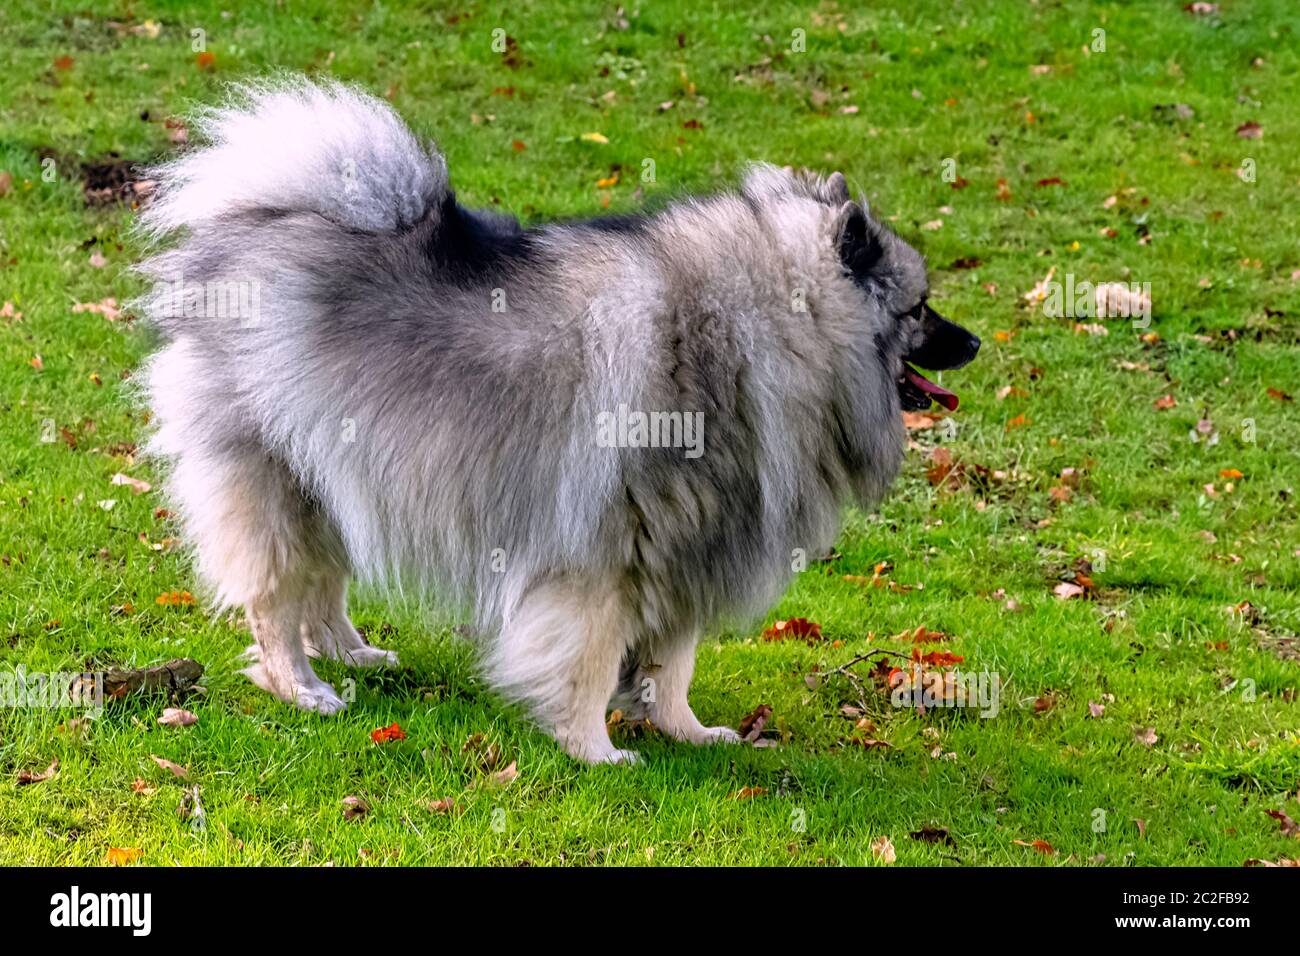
929 82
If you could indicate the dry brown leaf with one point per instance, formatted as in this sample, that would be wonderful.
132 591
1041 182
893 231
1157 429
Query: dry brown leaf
883 850
175 768
177 717
30 776
355 808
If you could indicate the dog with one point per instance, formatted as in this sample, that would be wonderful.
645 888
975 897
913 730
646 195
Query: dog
599 438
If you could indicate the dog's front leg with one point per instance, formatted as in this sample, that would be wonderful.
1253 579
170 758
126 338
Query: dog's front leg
559 654
665 680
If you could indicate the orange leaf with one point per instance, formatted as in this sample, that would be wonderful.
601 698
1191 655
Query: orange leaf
1232 474
1042 846
206 60
797 627
117 856
384 734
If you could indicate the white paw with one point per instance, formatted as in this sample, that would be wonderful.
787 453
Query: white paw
703 736
316 696
718 735
319 697
603 754
368 657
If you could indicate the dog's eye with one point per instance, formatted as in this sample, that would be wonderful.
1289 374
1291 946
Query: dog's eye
916 311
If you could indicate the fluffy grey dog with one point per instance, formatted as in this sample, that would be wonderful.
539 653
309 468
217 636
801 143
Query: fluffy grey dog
599 436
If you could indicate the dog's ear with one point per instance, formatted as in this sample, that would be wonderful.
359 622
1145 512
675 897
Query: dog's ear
859 248
836 189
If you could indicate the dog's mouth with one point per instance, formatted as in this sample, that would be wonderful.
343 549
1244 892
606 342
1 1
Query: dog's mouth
942 345
917 392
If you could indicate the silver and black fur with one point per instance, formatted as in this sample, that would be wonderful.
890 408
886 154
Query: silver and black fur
405 390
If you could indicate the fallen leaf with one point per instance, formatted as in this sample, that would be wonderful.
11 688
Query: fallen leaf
30 776
1165 402
119 856
384 734
355 808
1095 709
1146 736
796 627
751 728
206 60
137 486
445 805
139 786
1289 827
176 717
1065 590
175 768
917 421
1042 846
883 850
600 138
181 598
1250 130
105 307
746 793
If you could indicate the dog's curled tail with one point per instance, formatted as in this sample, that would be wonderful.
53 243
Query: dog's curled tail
293 145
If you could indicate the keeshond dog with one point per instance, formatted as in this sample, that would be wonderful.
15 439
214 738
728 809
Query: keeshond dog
598 437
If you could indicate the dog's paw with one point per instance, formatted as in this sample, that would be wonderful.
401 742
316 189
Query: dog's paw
698 734
316 696
320 698
718 735
628 757
367 657
608 754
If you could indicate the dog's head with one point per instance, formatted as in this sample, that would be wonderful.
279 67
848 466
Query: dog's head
892 277
893 273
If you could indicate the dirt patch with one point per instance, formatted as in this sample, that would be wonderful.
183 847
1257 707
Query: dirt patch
106 180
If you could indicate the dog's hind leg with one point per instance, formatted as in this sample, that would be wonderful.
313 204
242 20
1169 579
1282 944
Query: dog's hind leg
327 631
558 653
259 544
662 682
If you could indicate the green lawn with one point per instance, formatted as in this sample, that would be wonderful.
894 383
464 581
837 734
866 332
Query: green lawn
1011 92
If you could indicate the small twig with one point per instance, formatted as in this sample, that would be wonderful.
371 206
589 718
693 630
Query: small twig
859 687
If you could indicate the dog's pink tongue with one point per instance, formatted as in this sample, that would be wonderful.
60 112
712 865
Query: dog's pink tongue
940 394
